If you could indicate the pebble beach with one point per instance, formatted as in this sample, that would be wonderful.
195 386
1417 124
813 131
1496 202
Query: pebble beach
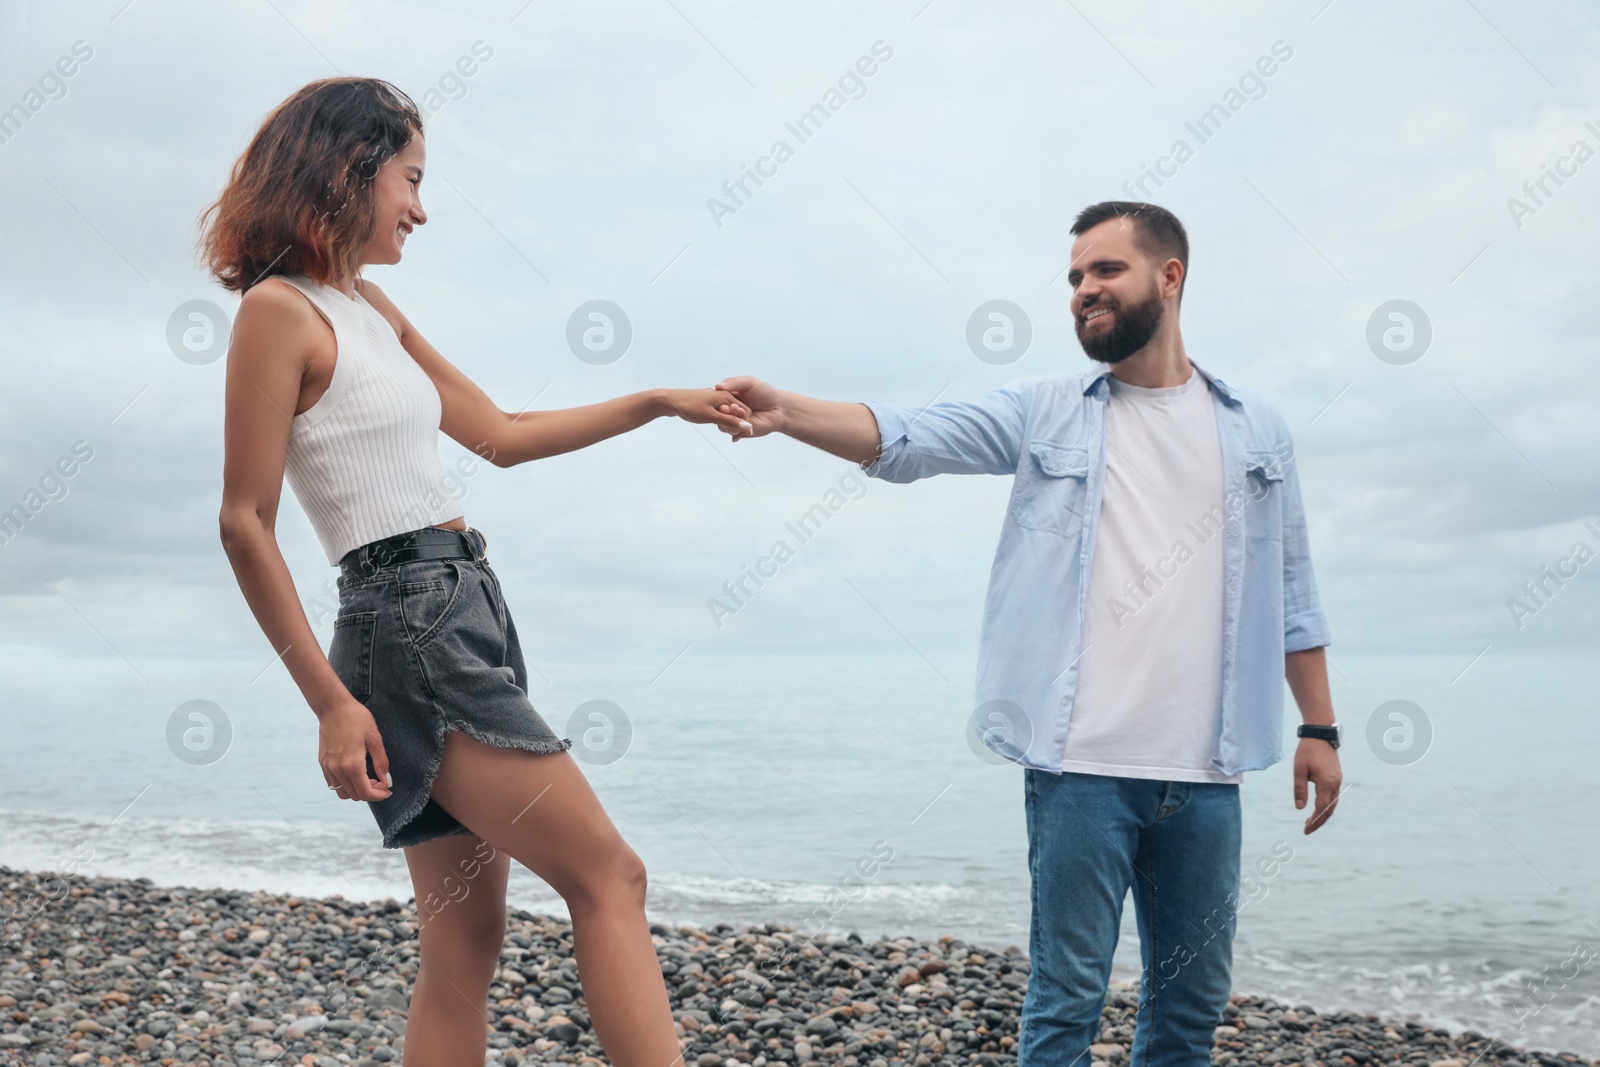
113 971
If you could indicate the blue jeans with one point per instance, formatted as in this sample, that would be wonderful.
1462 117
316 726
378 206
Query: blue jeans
1091 838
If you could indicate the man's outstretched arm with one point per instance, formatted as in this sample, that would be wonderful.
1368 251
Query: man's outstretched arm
895 443
847 430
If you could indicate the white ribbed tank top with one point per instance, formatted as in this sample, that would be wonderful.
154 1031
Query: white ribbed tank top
364 459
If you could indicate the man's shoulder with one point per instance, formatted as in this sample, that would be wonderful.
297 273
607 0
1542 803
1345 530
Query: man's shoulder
1053 403
1265 428
1256 403
1070 387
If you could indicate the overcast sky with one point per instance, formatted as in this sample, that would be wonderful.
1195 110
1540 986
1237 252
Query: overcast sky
1377 162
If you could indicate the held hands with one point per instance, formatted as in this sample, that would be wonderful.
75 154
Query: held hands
347 735
761 404
1317 762
708 405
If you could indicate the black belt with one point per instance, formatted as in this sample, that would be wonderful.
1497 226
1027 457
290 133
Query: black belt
430 542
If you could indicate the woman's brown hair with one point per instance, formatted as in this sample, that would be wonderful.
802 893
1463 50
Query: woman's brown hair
300 199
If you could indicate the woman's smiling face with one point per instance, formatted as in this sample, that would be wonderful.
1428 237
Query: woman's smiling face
399 202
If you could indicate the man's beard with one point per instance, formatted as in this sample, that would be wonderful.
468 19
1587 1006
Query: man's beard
1132 327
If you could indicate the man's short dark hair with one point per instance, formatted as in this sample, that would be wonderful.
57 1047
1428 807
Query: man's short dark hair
1156 231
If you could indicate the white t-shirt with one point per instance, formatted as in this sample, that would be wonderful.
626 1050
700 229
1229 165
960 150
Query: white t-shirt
1149 694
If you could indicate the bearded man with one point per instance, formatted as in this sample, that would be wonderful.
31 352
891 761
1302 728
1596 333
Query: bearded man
1151 587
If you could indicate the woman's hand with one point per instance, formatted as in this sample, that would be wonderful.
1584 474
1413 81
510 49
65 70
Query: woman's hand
709 405
347 735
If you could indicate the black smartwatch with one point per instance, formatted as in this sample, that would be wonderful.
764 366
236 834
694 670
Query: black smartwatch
1329 734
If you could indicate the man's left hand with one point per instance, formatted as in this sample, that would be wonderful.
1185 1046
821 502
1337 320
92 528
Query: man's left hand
1317 762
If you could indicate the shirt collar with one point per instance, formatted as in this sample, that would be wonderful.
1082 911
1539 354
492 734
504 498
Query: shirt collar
1096 385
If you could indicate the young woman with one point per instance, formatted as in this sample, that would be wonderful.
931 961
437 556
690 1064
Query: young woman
422 699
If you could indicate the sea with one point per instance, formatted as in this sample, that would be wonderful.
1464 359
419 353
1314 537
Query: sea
1455 885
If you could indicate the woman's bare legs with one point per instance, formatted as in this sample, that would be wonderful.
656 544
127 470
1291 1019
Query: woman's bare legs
541 810
460 886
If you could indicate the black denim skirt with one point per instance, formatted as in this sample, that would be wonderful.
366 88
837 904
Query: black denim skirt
428 646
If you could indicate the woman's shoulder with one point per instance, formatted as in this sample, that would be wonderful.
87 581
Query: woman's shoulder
275 296
275 309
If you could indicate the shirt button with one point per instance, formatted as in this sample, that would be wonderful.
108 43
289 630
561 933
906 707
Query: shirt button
1065 701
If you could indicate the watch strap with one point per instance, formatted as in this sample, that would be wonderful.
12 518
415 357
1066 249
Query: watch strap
1329 734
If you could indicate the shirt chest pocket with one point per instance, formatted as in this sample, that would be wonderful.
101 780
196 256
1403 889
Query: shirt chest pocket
1052 489
1263 495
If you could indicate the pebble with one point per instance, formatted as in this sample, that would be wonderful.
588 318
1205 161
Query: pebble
122 971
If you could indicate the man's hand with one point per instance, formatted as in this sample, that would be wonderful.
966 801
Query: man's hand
1317 762
761 403
844 429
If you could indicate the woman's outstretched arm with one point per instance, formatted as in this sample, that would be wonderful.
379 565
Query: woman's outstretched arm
506 438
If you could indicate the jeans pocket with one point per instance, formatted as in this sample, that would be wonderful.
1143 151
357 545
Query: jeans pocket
428 598
350 652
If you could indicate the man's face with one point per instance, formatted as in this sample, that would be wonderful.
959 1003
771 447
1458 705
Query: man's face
1116 293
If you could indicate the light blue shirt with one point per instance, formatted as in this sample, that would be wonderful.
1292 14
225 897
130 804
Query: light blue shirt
1050 434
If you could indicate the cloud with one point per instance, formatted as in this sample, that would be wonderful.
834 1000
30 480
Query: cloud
576 166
